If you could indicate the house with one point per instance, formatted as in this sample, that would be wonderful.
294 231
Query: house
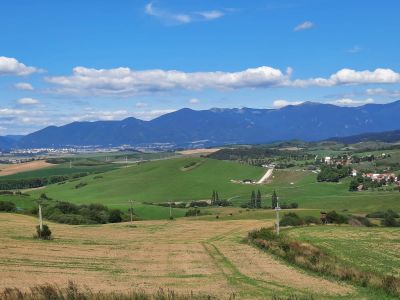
328 160
381 177
354 173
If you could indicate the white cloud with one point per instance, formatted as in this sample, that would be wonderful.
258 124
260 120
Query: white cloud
283 103
194 101
28 101
10 112
352 102
24 86
211 15
352 77
304 26
125 81
11 66
181 18
383 92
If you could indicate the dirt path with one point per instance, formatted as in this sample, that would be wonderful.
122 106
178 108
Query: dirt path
266 176
23 167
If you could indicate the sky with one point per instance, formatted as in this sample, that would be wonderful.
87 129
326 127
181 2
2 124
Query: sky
66 61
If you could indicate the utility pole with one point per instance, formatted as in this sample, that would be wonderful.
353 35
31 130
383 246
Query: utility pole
170 210
131 201
277 209
40 220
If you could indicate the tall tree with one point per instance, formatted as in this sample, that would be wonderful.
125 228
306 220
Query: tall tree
253 200
216 198
274 199
258 199
213 198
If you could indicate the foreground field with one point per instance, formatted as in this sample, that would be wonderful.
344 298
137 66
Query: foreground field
184 255
372 249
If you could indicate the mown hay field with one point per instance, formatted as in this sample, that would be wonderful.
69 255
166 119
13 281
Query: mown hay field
184 255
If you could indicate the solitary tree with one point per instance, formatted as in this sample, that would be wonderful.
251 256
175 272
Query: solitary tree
253 200
274 200
258 199
213 198
216 198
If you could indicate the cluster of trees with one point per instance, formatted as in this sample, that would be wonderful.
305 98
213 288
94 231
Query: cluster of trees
258 156
255 200
29 183
216 201
333 173
69 213
193 212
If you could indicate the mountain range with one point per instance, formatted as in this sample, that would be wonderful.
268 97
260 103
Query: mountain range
308 121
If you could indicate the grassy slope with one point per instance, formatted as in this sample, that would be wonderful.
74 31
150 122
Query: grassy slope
372 249
160 181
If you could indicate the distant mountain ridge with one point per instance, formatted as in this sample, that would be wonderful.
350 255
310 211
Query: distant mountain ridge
386 136
186 127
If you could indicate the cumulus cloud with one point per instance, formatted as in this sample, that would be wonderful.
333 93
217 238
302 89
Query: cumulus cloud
352 77
24 86
304 26
11 66
352 102
283 103
181 18
28 101
126 81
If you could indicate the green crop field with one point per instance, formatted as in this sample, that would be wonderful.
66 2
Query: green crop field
372 249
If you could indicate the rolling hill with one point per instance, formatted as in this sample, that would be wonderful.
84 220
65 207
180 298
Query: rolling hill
308 121
386 136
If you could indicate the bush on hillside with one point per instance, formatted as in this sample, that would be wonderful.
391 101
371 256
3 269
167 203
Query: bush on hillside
335 218
45 233
7 206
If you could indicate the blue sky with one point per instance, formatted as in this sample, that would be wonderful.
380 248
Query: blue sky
64 61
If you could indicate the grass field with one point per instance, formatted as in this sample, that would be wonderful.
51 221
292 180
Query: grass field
160 181
371 249
183 255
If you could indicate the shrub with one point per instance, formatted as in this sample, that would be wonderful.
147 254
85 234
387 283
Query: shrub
390 221
7 206
334 217
45 233
115 216
311 220
291 219
192 212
